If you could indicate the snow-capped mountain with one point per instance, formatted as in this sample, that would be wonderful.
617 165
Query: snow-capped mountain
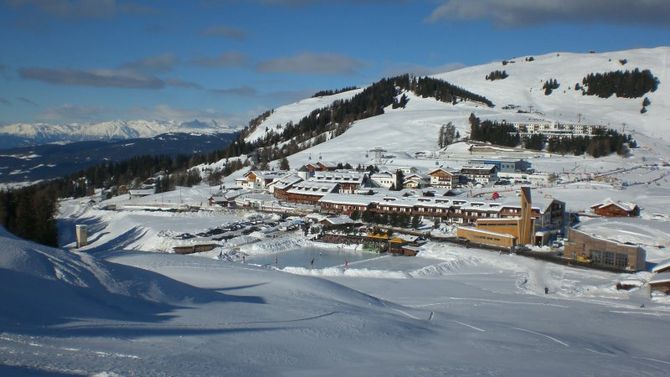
21 134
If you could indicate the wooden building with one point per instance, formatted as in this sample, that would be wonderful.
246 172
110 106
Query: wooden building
280 187
414 181
326 166
605 253
663 266
485 237
198 248
611 208
660 282
307 192
349 181
446 209
258 179
483 174
444 178
503 232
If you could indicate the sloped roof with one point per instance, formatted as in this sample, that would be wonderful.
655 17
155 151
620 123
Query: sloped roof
286 181
448 171
486 167
663 277
662 265
338 176
339 220
313 188
626 206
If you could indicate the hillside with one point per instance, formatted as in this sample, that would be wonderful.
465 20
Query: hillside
518 97
523 88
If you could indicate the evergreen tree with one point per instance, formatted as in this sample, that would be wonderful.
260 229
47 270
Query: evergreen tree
283 164
399 180
416 222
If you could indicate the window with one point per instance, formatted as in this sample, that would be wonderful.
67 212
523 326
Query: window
621 260
596 256
608 258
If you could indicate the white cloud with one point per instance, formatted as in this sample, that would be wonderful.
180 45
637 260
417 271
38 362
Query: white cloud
527 12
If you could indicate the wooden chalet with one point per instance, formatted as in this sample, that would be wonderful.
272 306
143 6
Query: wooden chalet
326 166
660 282
280 187
414 181
483 174
258 179
611 208
444 178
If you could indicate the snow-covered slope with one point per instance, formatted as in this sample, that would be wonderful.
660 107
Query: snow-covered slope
294 112
523 88
449 311
39 133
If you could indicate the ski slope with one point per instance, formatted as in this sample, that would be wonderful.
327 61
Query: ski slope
523 88
132 313
294 113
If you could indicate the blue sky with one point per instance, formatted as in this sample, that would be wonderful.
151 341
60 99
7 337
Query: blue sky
228 60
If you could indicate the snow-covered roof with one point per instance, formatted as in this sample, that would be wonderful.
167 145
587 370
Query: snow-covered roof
313 188
632 282
327 164
338 176
445 170
142 192
286 181
396 199
662 265
663 277
382 173
485 167
539 202
626 206
347 199
266 174
339 220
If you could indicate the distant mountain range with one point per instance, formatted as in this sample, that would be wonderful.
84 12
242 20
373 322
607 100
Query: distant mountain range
30 134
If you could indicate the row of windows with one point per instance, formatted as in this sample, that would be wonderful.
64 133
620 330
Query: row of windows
609 258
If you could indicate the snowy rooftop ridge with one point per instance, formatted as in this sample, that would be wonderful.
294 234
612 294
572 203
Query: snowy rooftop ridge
626 206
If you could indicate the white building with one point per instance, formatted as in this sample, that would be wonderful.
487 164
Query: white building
556 129
383 179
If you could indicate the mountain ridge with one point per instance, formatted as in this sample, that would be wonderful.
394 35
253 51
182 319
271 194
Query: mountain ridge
30 134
